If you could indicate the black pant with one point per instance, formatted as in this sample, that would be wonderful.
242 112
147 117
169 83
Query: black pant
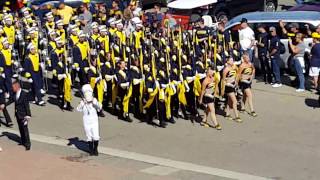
6 115
265 68
135 99
24 133
191 101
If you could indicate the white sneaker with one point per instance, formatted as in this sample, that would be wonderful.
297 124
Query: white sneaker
299 90
41 103
0 149
42 91
277 85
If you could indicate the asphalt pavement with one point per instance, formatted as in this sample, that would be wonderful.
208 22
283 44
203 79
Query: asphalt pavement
281 144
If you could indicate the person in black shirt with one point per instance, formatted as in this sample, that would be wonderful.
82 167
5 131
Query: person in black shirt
22 113
262 45
274 55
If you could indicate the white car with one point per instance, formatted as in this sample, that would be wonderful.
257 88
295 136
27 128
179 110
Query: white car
303 18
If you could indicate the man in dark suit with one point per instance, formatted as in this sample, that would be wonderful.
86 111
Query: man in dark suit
22 113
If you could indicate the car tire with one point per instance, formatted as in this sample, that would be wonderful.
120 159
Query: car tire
270 6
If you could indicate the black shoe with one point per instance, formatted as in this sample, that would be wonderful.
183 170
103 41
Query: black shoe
28 148
128 119
95 148
171 120
101 114
90 143
163 124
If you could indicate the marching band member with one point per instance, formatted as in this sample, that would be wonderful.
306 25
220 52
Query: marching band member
9 29
50 25
96 81
6 60
34 73
89 107
137 86
94 35
60 30
189 76
124 90
74 39
80 58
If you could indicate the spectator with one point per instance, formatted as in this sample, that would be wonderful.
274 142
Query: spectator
85 18
128 13
298 50
115 10
158 14
315 61
274 55
65 12
246 38
293 29
262 45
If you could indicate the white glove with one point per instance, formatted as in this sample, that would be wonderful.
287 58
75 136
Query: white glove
30 80
173 88
3 75
69 59
164 86
105 86
202 75
157 84
78 69
181 77
42 65
98 79
220 68
20 69
115 77
190 79
124 85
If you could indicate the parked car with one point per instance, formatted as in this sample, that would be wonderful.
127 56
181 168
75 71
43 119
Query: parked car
183 10
307 5
269 19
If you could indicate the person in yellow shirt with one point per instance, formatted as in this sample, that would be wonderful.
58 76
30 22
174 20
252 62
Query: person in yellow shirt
65 12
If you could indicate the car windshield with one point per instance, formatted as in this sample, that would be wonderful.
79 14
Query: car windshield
311 2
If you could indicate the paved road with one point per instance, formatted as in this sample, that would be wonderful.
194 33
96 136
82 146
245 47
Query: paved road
281 143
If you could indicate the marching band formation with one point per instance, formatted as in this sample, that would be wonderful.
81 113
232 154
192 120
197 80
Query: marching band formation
132 68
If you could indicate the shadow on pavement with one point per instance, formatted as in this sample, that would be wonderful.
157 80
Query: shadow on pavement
79 144
314 103
12 137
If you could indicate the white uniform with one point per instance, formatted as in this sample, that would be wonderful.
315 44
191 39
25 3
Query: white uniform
90 118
